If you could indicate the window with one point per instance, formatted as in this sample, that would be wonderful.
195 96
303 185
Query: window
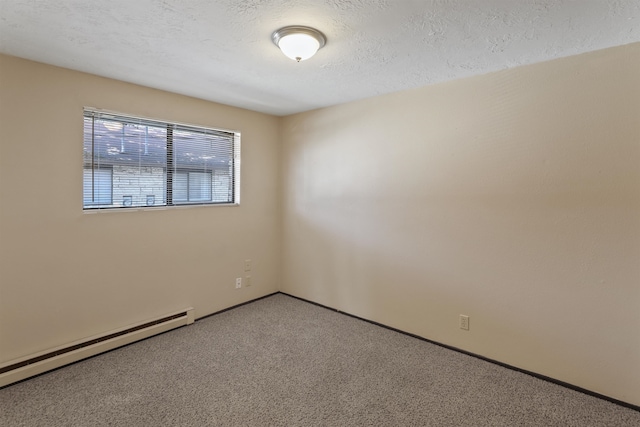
135 162
192 186
97 187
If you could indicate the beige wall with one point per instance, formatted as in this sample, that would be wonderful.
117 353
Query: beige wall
513 198
65 275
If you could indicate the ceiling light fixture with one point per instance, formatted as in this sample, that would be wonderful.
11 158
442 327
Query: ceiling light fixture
297 42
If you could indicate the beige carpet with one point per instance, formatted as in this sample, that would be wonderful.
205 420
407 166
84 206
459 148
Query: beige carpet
280 361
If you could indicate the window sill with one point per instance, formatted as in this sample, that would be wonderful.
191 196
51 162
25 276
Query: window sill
93 211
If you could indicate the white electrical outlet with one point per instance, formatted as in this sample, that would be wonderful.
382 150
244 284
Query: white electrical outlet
247 281
247 265
464 322
238 282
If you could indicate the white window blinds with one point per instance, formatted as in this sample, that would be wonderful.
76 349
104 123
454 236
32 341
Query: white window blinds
136 162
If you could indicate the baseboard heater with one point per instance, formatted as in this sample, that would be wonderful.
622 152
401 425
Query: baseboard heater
25 367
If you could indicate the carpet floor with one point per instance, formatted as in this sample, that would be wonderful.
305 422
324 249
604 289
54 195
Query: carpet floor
280 361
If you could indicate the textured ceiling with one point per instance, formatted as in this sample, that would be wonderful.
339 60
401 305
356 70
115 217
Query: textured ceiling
221 50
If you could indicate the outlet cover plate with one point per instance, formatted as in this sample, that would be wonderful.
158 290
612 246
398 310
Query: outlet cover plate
464 322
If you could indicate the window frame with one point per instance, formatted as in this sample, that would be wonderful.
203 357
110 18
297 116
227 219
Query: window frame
170 167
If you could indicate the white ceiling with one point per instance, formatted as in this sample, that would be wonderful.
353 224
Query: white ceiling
221 50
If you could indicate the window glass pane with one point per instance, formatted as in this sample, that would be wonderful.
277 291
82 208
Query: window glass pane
222 186
135 154
97 187
204 155
180 187
199 186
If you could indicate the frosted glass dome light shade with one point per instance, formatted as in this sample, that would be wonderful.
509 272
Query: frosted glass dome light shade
298 43
299 46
